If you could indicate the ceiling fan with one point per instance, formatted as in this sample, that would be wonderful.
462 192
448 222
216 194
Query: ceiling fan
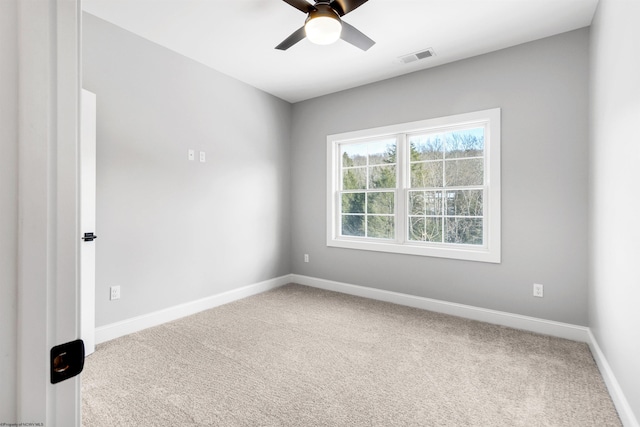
324 26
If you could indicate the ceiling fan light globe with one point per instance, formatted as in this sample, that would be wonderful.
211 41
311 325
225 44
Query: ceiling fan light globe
323 30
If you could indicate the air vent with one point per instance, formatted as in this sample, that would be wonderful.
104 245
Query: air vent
412 57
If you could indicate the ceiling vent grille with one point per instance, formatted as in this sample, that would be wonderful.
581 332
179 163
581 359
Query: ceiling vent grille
412 57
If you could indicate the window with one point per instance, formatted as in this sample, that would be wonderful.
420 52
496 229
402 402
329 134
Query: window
424 188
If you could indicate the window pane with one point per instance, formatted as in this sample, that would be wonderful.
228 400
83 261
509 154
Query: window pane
465 143
353 225
427 174
354 179
464 230
353 155
426 147
425 229
464 172
380 227
382 176
381 203
353 202
382 151
425 203
464 202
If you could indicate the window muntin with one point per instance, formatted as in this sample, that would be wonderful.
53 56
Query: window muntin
424 188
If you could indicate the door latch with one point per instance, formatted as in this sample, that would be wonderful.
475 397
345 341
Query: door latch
67 360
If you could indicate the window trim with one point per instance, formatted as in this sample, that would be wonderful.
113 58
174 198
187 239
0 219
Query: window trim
489 252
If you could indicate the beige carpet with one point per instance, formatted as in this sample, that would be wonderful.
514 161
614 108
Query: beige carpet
299 356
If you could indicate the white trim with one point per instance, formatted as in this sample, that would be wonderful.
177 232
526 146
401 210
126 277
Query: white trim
619 400
490 251
135 324
48 42
532 324
88 219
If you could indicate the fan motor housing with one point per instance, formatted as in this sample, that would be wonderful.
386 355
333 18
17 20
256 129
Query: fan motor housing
322 10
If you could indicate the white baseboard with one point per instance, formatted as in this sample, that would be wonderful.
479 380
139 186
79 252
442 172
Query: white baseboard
619 400
532 324
135 324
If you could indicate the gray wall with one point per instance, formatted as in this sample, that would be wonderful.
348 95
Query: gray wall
614 293
542 88
169 230
8 206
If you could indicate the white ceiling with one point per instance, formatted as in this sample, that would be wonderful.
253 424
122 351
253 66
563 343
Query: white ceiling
237 37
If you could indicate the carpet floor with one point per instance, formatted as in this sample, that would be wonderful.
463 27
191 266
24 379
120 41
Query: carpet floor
299 356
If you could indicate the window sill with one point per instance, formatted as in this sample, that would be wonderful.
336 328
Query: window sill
468 253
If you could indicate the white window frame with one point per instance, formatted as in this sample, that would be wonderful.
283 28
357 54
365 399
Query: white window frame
488 252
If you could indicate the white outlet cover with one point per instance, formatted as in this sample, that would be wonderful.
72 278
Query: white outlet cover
192 154
538 290
203 157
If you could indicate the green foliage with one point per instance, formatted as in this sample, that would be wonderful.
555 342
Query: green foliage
353 225
381 227
354 179
353 202
383 176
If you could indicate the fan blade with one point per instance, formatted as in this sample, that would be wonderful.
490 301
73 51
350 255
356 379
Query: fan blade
294 38
301 5
342 7
352 35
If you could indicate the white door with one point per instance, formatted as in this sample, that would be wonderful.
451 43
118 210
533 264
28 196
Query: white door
48 261
88 220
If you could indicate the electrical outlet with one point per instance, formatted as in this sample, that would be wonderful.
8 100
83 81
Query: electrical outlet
538 290
203 157
192 155
306 257
115 292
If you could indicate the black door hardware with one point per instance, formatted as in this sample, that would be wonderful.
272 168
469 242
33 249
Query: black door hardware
89 237
67 360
